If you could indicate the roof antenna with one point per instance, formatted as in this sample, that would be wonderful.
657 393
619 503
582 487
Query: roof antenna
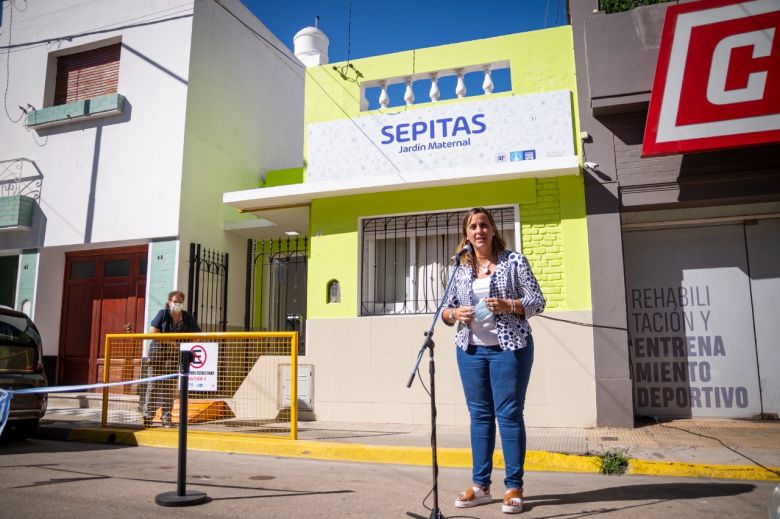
316 21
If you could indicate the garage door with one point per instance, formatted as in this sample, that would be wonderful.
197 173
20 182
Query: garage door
701 305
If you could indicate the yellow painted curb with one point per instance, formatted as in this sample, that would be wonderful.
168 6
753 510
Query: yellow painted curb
555 461
249 444
701 470
447 457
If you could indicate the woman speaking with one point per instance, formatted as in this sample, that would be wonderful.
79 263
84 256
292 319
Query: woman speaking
491 298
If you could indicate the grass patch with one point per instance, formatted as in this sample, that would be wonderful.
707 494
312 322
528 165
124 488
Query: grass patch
614 463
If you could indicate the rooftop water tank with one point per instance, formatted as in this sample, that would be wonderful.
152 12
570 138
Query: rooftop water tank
311 46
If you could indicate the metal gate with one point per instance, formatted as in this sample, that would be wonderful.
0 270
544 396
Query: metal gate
207 287
276 286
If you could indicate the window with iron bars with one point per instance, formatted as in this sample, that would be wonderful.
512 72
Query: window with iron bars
404 264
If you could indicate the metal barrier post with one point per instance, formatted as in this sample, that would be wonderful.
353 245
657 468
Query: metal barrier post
294 387
106 378
181 497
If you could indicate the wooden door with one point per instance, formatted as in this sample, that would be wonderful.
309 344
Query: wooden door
104 293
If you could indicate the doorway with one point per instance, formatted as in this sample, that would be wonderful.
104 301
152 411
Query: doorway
9 270
276 286
104 292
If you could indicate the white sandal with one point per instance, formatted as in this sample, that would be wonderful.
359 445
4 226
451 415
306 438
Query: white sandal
513 501
473 496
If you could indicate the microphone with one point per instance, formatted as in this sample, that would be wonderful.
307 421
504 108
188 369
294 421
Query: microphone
465 250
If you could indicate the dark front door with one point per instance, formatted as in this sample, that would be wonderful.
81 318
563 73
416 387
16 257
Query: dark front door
276 288
104 293
9 270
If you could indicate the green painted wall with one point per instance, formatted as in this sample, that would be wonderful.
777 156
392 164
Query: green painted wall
283 177
16 211
163 256
552 210
28 270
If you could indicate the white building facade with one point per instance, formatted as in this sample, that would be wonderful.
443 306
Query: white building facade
124 122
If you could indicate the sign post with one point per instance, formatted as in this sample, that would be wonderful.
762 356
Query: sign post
182 497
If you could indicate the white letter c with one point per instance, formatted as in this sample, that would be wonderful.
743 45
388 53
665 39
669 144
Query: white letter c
761 41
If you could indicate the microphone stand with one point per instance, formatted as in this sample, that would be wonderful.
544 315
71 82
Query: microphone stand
428 344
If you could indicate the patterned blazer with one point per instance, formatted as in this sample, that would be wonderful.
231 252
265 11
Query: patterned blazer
512 279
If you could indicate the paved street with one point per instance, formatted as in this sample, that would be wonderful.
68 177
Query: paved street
41 478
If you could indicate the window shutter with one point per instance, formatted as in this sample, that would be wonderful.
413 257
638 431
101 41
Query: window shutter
87 74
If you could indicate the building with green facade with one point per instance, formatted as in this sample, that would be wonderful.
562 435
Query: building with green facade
353 250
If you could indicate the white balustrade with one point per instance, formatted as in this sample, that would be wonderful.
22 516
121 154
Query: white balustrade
487 84
384 99
434 93
460 87
409 94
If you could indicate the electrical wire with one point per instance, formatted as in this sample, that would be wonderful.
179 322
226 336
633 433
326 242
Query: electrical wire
281 54
354 122
39 143
263 38
8 65
546 7
344 69
349 31
172 13
156 17
425 505
732 449
579 323
422 383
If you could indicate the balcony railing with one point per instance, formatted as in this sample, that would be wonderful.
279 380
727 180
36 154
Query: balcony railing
431 81
20 176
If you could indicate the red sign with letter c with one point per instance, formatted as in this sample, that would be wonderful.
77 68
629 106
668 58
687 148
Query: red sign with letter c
717 78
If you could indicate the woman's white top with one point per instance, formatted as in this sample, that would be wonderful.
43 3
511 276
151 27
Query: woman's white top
483 333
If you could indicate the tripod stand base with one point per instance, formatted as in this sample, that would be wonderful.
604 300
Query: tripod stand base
435 514
190 498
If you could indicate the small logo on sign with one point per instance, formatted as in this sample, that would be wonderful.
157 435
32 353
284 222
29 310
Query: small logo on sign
522 155
501 157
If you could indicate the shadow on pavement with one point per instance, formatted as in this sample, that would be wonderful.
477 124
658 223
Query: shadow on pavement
79 476
644 492
37 446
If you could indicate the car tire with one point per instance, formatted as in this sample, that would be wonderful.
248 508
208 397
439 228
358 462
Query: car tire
19 431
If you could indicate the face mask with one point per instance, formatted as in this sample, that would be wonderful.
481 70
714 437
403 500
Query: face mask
176 307
481 311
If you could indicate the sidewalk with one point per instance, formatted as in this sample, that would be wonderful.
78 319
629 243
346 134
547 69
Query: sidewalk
730 449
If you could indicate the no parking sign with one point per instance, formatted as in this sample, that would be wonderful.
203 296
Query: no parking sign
203 369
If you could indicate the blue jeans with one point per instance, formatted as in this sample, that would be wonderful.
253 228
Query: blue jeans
495 382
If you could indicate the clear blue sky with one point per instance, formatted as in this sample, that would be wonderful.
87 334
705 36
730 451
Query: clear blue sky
382 27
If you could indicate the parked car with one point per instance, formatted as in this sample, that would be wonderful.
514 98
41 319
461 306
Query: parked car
21 366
